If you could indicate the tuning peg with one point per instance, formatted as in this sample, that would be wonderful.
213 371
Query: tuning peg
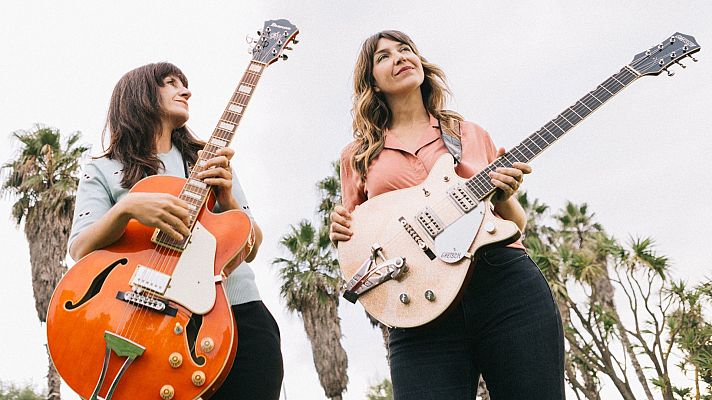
288 48
693 58
295 41
259 33
669 73
284 57
680 64
250 39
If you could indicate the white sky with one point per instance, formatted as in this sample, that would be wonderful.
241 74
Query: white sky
639 161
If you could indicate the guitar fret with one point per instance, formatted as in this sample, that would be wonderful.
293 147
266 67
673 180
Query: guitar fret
584 104
218 142
192 195
567 120
245 89
604 88
577 114
228 126
255 67
236 108
197 183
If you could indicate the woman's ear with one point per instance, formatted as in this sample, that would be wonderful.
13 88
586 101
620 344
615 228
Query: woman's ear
376 89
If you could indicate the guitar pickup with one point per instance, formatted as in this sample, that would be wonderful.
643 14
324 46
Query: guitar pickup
430 222
150 279
462 197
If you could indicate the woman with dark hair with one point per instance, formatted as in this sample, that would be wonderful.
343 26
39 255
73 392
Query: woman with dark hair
506 325
148 136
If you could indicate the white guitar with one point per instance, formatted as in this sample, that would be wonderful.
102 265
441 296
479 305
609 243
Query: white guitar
412 249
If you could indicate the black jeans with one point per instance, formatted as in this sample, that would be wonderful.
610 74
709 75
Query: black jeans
506 327
257 372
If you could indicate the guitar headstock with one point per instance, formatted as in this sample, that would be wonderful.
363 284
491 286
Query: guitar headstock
274 37
671 51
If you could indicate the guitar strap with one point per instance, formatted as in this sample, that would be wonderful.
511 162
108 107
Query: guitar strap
453 143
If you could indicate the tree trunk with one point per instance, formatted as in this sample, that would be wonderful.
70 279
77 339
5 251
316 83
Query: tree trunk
323 327
53 381
47 231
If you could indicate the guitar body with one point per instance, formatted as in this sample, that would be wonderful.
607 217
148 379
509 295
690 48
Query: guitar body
201 337
378 220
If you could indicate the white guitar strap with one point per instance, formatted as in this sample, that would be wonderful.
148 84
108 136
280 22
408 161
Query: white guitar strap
453 143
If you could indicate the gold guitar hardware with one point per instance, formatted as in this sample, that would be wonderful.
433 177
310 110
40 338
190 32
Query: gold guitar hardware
175 359
198 378
178 329
167 392
207 345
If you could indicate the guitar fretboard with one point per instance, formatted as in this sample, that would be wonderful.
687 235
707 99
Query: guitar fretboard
480 184
195 192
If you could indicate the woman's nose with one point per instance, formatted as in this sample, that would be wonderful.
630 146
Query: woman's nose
186 93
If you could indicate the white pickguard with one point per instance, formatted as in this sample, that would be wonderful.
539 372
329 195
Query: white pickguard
453 243
193 283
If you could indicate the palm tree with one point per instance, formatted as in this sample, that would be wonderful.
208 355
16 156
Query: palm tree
311 286
43 181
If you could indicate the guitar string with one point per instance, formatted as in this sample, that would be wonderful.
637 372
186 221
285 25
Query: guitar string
477 178
166 256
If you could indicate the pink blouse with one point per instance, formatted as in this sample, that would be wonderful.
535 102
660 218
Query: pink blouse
397 167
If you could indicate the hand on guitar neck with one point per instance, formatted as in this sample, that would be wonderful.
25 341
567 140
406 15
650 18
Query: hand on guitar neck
508 181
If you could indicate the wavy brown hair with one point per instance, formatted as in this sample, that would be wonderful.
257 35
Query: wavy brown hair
370 109
134 121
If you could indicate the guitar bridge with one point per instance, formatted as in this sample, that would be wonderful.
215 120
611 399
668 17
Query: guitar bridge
372 274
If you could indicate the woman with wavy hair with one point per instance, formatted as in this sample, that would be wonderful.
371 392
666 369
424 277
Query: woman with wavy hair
506 326
148 136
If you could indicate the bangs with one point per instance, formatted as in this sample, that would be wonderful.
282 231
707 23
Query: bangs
164 69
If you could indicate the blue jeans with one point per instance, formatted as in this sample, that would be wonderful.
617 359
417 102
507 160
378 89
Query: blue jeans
506 327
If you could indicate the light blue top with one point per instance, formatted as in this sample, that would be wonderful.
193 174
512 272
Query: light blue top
100 188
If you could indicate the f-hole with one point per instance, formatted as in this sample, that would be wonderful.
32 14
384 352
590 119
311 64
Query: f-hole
96 285
191 332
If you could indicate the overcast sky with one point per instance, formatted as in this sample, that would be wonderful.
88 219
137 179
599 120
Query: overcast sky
641 162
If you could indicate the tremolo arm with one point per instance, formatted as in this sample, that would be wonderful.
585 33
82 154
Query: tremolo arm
373 273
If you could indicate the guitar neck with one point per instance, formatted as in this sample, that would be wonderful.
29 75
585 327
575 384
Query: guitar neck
195 192
480 184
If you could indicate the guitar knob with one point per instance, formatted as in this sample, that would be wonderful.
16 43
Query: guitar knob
207 345
490 227
175 360
167 392
198 378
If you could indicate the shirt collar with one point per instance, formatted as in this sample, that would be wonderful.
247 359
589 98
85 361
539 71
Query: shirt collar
428 137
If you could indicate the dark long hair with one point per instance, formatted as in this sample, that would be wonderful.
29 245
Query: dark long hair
134 120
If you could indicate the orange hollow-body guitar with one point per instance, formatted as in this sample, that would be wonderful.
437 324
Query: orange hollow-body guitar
174 352
147 317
